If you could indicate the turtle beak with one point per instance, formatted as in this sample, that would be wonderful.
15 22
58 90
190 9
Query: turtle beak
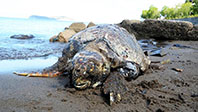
82 83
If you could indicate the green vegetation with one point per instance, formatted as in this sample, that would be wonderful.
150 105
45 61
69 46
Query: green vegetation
194 6
187 9
152 13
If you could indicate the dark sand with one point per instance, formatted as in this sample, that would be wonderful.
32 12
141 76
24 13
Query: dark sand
156 90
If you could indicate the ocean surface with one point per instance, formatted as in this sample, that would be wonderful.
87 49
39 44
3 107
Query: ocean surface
31 54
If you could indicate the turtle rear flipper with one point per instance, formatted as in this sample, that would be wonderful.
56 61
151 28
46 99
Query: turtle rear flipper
51 74
115 86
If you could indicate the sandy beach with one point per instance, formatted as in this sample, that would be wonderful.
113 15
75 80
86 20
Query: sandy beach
160 89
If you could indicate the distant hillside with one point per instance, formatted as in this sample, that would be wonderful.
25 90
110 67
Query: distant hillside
62 18
41 17
59 18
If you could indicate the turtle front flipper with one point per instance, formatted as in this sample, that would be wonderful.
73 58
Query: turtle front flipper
50 74
130 70
115 86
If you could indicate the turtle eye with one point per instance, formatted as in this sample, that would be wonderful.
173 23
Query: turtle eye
81 60
90 67
78 70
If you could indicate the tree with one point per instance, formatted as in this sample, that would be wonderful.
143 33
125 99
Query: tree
187 9
168 13
194 7
180 11
152 13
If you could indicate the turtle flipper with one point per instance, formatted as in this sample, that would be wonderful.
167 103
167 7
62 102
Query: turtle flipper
50 74
130 70
115 86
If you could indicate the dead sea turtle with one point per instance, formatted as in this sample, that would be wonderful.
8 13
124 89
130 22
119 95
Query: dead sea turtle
102 55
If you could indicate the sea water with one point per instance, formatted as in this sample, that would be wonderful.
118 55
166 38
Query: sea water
36 53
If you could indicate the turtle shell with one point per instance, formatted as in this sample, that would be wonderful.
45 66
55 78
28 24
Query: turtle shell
123 44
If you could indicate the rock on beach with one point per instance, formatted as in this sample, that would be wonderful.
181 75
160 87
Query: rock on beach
68 32
91 24
79 26
22 36
65 35
162 29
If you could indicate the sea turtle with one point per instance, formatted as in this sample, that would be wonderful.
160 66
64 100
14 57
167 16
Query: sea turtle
103 55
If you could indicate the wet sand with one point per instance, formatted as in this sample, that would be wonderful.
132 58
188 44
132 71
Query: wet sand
157 90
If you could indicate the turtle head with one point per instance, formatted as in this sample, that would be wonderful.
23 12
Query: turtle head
88 68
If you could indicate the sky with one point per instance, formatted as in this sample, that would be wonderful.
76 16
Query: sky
98 11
